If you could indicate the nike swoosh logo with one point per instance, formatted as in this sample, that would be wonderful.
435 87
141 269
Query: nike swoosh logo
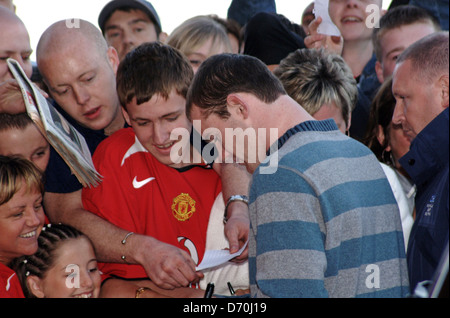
139 184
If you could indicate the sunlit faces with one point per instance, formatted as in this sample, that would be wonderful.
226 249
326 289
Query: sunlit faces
328 111
394 42
21 221
154 121
204 51
28 143
350 17
127 30
417 102
74 262
14 43
84 84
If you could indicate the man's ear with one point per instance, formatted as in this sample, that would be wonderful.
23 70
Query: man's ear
379 71
126 116
238 104
34 286
444 83
113 58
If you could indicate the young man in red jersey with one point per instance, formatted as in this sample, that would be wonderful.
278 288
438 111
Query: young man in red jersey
145 189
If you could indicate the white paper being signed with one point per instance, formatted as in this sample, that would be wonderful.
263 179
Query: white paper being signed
213 258
327 26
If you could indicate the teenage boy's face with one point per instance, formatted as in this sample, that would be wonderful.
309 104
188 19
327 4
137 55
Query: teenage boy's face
127 30
395 41
350 17
155 120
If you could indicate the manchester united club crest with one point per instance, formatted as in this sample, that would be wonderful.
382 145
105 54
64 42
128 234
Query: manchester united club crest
183 207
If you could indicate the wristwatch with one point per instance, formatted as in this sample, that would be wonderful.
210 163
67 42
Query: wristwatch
238 197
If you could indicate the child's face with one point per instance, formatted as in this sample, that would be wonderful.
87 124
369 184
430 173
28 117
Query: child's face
28 143
155 120
350 17
21 221
74 273
397 40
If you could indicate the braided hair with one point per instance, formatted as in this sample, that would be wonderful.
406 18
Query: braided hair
51 237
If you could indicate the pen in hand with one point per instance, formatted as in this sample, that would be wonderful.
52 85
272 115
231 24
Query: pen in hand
209 290
230 287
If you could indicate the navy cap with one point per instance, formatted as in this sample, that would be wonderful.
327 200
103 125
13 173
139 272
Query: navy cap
142 5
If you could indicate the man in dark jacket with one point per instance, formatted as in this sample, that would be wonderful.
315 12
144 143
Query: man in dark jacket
421 89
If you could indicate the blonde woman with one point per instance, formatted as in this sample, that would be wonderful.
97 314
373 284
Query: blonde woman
200 38
322 83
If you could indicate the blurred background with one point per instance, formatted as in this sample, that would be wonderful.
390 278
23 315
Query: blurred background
38 15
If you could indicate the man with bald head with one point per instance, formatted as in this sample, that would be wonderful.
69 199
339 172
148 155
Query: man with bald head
79 70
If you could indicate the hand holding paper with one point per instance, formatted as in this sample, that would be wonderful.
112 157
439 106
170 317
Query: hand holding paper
213 258
327 26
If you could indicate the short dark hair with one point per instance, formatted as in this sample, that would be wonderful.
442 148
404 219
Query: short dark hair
14 121
150 69
401 16
225 74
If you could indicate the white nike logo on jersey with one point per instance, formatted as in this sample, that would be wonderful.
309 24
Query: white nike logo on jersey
139 184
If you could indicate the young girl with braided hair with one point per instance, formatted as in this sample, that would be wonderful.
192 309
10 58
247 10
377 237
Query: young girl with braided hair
64 266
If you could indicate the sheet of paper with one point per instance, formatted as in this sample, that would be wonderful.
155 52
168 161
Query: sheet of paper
327 26
213 258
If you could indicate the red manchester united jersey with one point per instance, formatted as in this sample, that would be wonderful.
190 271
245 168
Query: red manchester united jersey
142 195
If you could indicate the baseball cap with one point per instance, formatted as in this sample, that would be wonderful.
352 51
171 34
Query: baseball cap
142 5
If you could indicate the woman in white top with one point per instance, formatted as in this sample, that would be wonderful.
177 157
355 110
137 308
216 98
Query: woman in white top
389 144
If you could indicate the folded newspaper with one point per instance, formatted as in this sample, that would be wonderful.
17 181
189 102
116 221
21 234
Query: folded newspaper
61 135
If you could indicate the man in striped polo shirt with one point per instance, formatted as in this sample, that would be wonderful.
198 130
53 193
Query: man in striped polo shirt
324 221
